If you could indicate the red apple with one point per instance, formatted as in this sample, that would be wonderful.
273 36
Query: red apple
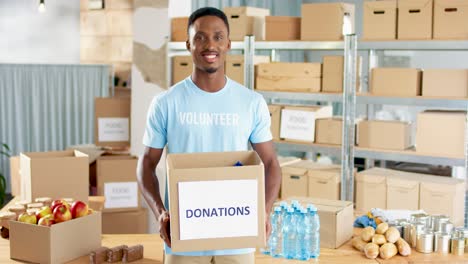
47 220
79 209
46 210
27 218
56 203
90 211
62 214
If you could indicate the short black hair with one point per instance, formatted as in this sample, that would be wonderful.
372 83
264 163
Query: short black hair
207 11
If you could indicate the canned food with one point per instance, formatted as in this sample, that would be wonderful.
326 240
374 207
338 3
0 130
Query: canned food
406 232
458 246
436 220
446 227
425 242
416 229
422 218
441 242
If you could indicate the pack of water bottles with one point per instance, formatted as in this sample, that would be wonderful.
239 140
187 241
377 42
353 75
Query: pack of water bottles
295 232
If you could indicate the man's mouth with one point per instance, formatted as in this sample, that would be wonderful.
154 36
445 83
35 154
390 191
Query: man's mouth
210 57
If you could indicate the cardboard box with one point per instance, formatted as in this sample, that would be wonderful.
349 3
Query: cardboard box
15 177
275 114
445 83
59 243
121 92
93 23
112 122
329 130
282 28
133 222
238 189
289 77
333 72
95 48
371 190
396 82
285 161
324 21
58 174
403 191
450 18
119 22
298 123
294 181
441 133
235 66
380 20
415 19
179 28
325 183
443 195
96 202
380 134
336 220
117 182
182 67
246 20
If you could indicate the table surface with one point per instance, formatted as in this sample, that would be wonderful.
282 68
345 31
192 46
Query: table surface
153 253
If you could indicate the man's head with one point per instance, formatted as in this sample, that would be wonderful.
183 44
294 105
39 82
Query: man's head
208 39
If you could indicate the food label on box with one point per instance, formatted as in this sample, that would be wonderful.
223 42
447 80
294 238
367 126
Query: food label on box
226 209
298 125
112 129
121 194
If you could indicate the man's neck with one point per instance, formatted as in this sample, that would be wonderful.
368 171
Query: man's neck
209 82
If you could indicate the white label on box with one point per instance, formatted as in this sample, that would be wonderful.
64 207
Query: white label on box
111 129
298 125
216 209
121 194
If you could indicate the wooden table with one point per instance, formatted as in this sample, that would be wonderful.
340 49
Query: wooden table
344 255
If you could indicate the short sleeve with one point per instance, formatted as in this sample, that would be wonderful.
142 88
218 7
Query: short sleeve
262 121
156 128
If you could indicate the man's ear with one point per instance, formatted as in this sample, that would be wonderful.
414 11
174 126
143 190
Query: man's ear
187 45
229 43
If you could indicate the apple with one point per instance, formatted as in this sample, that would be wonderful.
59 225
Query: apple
27 218
47 220
56 203
79 209
90 211
46 210
62 213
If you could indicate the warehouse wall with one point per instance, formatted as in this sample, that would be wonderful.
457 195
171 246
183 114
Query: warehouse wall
32 37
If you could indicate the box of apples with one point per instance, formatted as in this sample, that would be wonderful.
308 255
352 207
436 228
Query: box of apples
54 231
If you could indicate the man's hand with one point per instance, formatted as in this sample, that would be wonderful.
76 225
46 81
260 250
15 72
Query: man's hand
165 228
267 226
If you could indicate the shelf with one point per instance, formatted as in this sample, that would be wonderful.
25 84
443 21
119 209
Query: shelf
328 97
441 102
333 150
299 45
442 45
180 46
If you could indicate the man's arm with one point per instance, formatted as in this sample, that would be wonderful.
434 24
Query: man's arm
149 186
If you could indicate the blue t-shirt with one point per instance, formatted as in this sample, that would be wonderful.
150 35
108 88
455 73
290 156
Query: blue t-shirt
189 120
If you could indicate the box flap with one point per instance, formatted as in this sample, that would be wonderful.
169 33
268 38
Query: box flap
326 174
415 4
329 205
449 3
380 5
212 159
402 183
293 171
370 177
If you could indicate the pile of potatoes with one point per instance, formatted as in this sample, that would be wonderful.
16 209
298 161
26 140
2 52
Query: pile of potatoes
384 241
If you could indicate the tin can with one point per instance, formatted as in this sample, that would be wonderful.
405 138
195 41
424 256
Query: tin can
398 226
446 227
442 242
463 233
458 246
416 229
406 226
422 218
436 220
425 242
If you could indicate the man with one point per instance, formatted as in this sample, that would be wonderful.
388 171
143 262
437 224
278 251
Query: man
206 112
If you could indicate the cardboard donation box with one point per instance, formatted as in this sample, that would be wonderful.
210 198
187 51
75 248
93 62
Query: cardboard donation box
132 222
275 114
441 133
298 123
382 134
289 77
15 177
235 66
403 191
182 67
333 72
324 21
112 122
230 213
329 130
336 220
371 190
280 28
415 19
395 82
179 28
445 83
60 174
117 182
58 243
380 20
245 21
450 18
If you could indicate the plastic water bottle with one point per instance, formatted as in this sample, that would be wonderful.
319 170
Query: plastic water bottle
275 242
315 232
303 236
289 235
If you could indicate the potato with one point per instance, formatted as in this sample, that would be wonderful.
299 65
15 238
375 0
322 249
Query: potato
379 239
371 250
403 247
381 228
358 243
392 234
388 250
367 233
